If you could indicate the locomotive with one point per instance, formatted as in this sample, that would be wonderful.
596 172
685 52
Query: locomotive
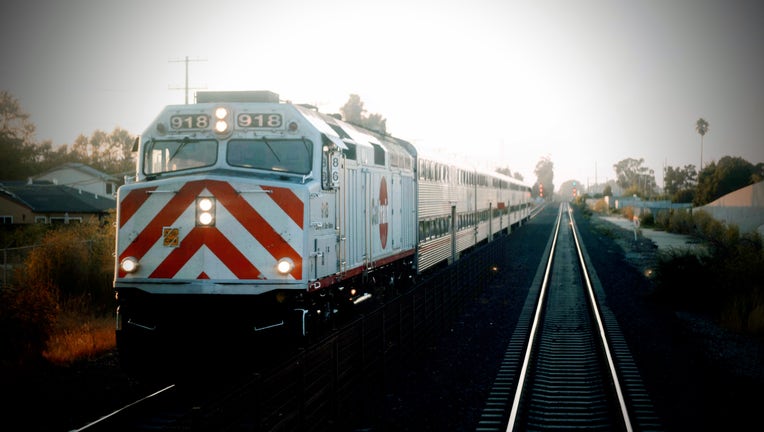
248 215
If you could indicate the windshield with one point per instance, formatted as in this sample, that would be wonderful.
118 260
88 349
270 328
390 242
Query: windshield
168 156
282 155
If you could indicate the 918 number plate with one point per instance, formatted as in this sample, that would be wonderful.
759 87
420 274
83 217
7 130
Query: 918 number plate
190 121
259 120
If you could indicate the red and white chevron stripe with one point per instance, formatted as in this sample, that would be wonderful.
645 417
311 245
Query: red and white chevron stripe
255 227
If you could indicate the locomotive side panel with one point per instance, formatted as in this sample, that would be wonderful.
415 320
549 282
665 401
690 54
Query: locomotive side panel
322 239
407 211
355 230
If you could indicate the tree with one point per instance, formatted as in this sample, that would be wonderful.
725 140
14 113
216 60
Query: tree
545 174
720 178
608 191
21 156
110 153
354 112
508 172
17 148
702 127
680 179
635 178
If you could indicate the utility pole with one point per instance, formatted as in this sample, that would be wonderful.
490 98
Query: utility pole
186 88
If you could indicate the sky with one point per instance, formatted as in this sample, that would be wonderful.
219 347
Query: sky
502 82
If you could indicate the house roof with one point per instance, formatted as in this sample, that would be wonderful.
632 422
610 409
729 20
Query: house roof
80 167
44 197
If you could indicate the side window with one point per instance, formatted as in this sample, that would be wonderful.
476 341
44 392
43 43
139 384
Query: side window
379 154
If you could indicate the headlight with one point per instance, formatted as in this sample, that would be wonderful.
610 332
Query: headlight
221 120
221 126
205 211
284 266
129 265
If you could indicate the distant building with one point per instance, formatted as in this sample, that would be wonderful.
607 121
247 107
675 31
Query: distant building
48 203
82 177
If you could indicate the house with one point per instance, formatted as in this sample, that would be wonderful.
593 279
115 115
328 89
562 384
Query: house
82 177
45 202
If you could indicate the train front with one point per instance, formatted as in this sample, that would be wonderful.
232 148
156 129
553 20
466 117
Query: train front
211 232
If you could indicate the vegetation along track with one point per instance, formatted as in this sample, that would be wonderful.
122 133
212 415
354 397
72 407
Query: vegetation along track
567 364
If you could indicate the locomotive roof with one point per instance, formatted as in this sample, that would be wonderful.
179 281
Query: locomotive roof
342 132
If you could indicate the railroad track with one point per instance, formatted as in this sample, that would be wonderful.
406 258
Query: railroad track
567 365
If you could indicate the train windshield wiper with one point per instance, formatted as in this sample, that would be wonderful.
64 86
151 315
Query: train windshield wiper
183 143
278 159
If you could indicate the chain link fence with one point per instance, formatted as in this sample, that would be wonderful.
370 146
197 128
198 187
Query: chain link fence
12 259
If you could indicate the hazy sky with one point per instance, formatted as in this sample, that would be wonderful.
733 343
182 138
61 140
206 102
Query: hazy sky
587 83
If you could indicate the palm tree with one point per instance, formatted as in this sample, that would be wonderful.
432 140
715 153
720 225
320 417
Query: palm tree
702 127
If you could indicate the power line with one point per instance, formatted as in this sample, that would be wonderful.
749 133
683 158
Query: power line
186 88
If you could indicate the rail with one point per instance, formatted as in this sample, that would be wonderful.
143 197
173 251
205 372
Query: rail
569 366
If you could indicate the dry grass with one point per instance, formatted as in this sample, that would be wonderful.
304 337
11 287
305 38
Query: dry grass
74 339
60 304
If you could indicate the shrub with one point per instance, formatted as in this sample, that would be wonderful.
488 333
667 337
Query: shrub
681 222
647 219
69 273
77 260
682 280
600 206
727 283
628 212
662 218
27 316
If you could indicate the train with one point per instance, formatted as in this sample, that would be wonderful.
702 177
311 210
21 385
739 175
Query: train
248 215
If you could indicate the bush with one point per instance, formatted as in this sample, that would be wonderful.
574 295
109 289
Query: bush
69 273
601 206
727 283
27 316
683 280
680 222
662 218
628 212
77 260
647 219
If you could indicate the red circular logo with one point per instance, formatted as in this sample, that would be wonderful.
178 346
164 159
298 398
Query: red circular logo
383 212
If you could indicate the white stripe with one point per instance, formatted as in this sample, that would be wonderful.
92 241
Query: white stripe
142 217
204 260
245 243
159 252
277 218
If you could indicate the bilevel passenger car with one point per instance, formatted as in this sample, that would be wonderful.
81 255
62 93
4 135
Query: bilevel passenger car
247 215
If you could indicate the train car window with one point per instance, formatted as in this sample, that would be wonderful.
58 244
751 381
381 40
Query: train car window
176 155
341 132
379 154
281 155
350 152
